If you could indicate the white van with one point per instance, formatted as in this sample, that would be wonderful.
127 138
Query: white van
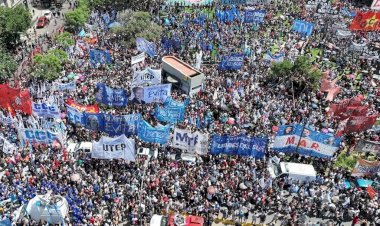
148 152
296 171
85 147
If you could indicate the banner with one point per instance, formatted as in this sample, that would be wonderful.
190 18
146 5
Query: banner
148 133
353 111
191 142
233 61
172 112
332 93
74 115
115 125
340 107
258 2
239 145
234 2
111 97
137 59
6 146
254 16
46 110
366 21
31 136
365 168
343 33
64 86
146 77
146 47
297 139
359 123
100 56
149 94
375 5
274 58
303 27
114 148
368 146
87 108
93 121
15 99
358 46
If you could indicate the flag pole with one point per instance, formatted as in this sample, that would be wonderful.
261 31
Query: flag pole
299 141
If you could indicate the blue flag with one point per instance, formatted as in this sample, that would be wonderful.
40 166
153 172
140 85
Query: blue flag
303 27
111 97
233 61
148 133
146 47
100 56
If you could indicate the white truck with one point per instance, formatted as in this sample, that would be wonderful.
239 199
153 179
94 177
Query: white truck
296 171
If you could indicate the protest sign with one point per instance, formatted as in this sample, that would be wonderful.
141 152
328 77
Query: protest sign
368 146
146 47
299 139
366 21
365 168
146 77
74 115
150 94
45 110
234 2
38 136
114 148
64 86
233 61
6 146
148 133
137 59
303 27
239 145
191 142
111 97
254 16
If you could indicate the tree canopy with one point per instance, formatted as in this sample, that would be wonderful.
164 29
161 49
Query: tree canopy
49 66
13 21
8 65
137 25
65 39
78 17
301 74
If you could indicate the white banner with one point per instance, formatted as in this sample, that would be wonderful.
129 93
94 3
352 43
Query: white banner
137 59
114 148
191 142
358 46
375 5
8 148
343 33
146 77
149 94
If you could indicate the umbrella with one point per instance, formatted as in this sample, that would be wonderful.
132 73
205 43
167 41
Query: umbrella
274 128
82 33
231 121
75 177
71 76
364 183
114 24
211 190
84 88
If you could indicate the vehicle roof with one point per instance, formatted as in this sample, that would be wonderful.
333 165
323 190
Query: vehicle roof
298 168
181 66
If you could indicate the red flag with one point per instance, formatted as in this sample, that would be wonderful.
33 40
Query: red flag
366 21
88 108
340 107
353 111
371 192
327 85
360 123
22 102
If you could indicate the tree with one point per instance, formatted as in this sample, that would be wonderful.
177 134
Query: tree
49 66
13 21
137 25
299 76
65 39
78 17
8 65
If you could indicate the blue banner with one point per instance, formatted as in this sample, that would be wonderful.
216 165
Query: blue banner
74 115
111 97
233 61
146 47
172 112
234 2
100 56
64 86
254 16
303 27
148 133
274 58
239 145
93 121
228 15
305 141
45 110
38 136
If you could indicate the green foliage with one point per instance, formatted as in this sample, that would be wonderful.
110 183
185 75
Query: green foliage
8 65
301 74
65 39
48 66
346 161
137 25
13 21
78 17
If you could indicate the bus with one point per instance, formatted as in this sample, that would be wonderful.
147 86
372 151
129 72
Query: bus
181 75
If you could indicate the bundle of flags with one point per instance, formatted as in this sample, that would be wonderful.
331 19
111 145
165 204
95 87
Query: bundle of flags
352 114
329 86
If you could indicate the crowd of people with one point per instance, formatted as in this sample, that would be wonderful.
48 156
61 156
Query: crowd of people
113 192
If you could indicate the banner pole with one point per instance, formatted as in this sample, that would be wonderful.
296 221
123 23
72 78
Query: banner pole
299 141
